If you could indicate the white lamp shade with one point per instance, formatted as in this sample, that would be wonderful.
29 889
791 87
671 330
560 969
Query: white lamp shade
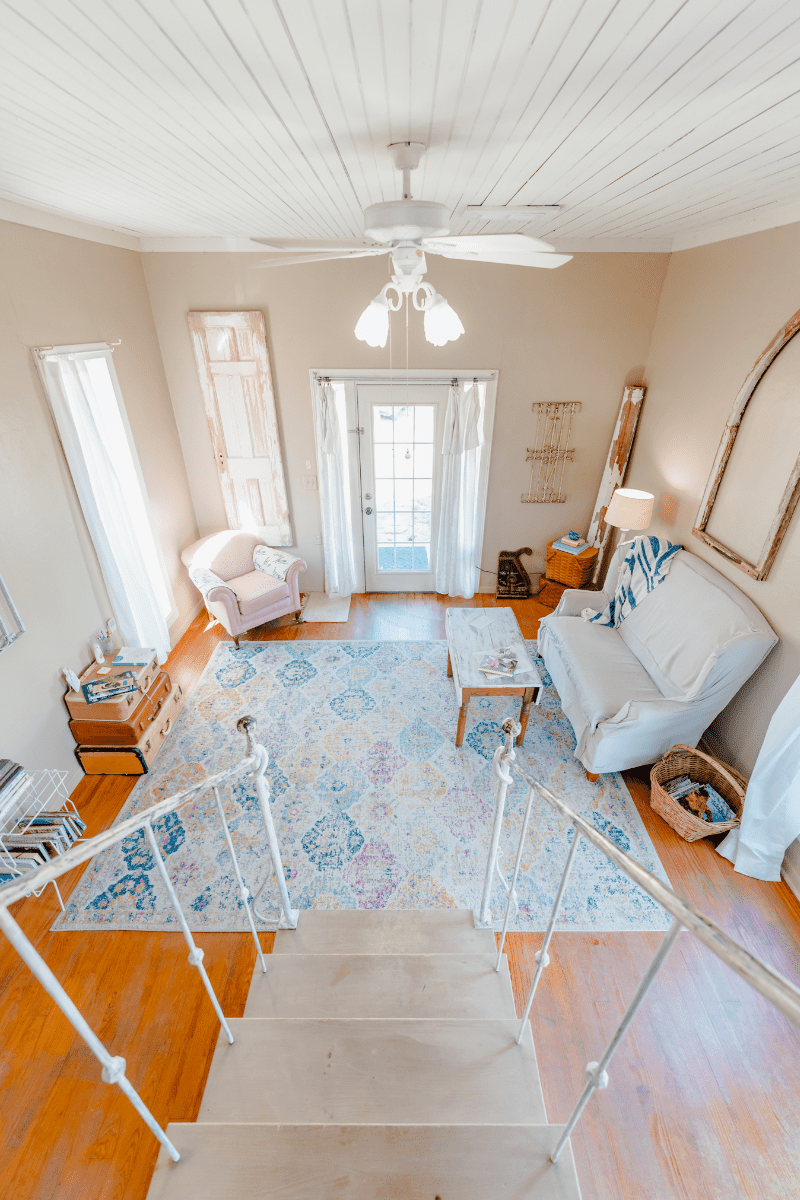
373 324
630 509
441 322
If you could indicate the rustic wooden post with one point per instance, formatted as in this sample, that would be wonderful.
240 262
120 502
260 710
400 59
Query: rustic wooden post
600 534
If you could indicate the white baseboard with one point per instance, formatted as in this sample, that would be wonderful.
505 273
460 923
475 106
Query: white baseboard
179 627
790 869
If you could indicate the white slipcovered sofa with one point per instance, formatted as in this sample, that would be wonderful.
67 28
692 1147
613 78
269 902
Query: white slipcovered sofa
664 674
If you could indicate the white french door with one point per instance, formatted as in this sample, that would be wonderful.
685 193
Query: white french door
400 453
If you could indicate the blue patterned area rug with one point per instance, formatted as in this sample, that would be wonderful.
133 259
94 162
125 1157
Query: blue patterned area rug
374 805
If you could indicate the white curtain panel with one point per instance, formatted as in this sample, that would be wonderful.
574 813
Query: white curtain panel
337 532
771 816
77 408
457 543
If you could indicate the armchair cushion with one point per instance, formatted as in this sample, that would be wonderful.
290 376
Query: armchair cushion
255 589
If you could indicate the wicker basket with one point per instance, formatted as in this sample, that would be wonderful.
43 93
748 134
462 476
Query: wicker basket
701 768
572 569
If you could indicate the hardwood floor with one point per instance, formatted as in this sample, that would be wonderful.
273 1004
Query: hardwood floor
703 1096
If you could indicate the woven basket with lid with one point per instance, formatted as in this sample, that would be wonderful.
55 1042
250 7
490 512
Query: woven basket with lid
701 768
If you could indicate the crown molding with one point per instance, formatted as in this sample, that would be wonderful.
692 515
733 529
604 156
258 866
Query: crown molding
772 216
610 245
200 245
41 218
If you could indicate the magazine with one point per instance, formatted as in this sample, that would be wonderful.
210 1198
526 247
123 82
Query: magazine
108 689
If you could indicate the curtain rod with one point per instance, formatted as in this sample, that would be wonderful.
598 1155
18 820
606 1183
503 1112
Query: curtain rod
40 350
401 379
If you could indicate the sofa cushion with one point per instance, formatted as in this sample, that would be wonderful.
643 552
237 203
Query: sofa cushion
255 590
678 631
604 672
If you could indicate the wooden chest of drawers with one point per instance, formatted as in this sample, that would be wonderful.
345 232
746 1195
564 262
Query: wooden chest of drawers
123 736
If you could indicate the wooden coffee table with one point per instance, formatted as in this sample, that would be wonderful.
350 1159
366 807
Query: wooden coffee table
472 631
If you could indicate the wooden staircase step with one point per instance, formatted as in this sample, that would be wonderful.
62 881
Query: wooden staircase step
380 1071
381 985
364 1162
384 931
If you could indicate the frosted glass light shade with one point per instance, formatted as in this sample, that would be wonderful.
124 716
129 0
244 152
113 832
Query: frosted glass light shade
630 509
373 324
441 322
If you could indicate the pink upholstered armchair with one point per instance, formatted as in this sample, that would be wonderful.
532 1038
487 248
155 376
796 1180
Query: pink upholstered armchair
244 582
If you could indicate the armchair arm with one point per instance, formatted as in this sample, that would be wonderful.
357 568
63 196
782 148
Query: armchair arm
275 562
212 587
574 600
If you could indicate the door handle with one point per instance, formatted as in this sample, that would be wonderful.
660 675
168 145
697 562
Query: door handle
368 511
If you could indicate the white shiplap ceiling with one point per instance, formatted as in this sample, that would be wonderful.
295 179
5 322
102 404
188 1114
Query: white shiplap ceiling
653 123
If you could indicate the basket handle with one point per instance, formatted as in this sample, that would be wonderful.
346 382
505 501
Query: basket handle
714 762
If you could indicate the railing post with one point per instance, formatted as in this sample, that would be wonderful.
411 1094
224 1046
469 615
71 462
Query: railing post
113 1067
195 953
596 1074
289 916
541 956
502 755
512 887
243 890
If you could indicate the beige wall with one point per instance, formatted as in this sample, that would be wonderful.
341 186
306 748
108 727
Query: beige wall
57 290
720 307
576 333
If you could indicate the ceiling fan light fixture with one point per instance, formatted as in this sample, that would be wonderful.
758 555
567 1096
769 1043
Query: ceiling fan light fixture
373 324
442 323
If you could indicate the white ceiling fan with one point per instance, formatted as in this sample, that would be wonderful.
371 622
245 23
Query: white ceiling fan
408 229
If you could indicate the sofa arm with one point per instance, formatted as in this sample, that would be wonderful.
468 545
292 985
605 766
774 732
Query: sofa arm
575 600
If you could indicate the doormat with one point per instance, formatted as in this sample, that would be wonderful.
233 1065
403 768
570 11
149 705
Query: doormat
374 805
321 608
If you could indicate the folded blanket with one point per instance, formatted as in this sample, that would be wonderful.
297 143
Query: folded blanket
645 566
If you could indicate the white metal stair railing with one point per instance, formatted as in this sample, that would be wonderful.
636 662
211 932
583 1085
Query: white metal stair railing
113 1068
768 982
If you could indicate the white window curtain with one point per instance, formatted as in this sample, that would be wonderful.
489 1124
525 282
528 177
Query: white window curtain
771 816
84 396
334 494
457 546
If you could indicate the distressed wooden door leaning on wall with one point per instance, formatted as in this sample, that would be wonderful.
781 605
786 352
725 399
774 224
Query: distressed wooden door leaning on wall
600 534
233 365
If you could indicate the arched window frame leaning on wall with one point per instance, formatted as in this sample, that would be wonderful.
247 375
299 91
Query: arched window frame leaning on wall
779 524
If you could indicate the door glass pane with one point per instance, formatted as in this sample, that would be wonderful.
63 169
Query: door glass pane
402 447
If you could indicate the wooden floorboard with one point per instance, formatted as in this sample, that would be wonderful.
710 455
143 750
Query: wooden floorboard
704 1092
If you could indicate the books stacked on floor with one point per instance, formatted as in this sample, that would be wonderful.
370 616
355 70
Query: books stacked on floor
571 542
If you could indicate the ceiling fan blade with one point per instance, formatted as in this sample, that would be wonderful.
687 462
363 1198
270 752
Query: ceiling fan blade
503 243
312 245
290 260
549 259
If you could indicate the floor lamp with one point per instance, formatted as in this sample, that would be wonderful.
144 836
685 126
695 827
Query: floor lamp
630 510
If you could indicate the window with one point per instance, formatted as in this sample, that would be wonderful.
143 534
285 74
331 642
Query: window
87 405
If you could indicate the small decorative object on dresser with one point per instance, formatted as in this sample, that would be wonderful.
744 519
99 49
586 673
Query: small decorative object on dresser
513 581
121 734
